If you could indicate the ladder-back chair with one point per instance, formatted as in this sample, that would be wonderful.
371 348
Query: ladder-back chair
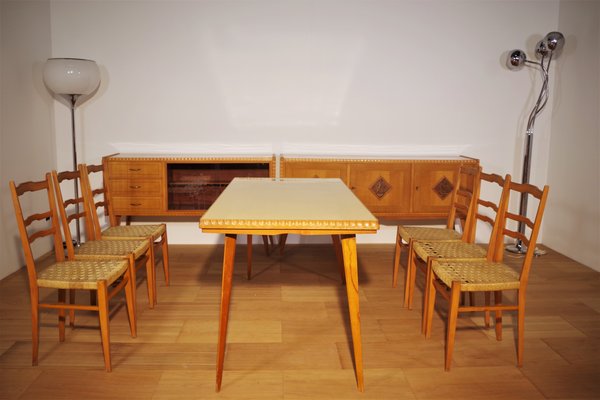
106 277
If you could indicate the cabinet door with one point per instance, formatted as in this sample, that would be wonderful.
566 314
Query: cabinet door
315 169
384 188
433 183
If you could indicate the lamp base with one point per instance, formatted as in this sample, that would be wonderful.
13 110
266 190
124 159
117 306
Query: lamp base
520 248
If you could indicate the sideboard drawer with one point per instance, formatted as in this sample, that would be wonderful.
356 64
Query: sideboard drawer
139 205
136 187
132 169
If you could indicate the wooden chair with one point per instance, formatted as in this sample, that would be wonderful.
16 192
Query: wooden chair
96 198
103 277
463 198
451 278
488 212
137 252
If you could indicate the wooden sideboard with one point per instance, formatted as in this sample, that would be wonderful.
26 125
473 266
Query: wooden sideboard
392 188
186 185
175 185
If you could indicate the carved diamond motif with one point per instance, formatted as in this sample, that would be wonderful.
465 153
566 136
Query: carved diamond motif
443 188
380 187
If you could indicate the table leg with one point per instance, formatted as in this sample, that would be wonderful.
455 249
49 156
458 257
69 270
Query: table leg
351 269
228 259
337 247
249 254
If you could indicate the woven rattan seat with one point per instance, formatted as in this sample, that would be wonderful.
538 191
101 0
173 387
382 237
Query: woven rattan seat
454 250
134 231
81 274
477 276
451 278
427 233
104 278
112 248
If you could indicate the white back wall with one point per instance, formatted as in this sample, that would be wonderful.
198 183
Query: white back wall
341 77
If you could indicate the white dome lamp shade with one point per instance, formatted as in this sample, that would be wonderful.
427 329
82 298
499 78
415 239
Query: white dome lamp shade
72 77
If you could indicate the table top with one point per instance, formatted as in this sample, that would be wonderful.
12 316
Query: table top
303 206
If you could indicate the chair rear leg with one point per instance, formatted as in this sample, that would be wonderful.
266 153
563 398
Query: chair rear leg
165 255
396 266
130 300
452 320
498 324
62 296
35 327
249 254
104 325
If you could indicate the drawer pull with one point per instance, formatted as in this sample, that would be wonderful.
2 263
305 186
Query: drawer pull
135 186
135 204
135 169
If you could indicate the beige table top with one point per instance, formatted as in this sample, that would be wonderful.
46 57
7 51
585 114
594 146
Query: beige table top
303 206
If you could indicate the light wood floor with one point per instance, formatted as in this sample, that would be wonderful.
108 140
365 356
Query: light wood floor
289 337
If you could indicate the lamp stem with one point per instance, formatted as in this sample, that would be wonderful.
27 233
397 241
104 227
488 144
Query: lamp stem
542 99
75 183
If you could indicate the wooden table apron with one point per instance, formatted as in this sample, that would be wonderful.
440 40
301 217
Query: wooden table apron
299 206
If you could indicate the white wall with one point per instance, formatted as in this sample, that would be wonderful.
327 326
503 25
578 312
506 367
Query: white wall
572 223
27 145
377 77
374 77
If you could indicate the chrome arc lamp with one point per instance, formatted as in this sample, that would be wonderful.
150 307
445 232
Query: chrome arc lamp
72 78
546 50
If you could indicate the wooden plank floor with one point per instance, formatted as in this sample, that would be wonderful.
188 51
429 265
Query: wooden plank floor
289 336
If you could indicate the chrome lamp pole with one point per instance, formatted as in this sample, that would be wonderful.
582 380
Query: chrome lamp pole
71 78
546 49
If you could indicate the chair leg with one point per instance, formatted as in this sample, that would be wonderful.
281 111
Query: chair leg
521 328
396 266
35 327
72 294
133 275
265 239
431 294
486 317
411 272
62 296
165 257
498 324
151 282
104 325
282 239
426 289
452 319
249 253
130 300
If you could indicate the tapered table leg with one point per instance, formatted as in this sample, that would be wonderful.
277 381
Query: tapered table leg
337 247
228 259
351 269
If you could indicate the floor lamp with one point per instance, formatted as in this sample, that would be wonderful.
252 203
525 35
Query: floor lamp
546 49
71 78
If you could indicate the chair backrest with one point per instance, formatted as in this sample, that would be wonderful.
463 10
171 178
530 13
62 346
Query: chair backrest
72 208
532 226
95 197
490 212
463 200
36 225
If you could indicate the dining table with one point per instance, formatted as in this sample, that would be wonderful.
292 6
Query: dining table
302 206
